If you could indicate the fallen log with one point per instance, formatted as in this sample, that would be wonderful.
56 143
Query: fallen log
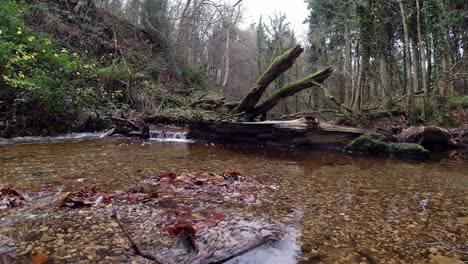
310 81
278 67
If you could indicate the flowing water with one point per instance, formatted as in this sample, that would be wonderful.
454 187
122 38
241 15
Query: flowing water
341 208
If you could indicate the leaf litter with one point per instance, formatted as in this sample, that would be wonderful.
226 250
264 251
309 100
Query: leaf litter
188 217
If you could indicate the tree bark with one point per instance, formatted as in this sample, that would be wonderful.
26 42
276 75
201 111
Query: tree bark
409 83
422 50
279 66
348 67
415 57
310 81
387 101
226 56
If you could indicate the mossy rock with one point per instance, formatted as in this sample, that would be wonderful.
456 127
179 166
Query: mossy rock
437 136
369 143
376 144
408 150
430 137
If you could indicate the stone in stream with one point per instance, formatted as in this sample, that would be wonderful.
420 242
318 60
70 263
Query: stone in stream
376 144
428 136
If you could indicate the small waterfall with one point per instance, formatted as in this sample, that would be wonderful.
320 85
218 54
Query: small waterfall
170 136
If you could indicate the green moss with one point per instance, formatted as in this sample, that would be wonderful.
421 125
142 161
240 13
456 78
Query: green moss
369 143
376 144
408 150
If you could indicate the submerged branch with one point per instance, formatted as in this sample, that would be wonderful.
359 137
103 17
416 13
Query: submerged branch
135 248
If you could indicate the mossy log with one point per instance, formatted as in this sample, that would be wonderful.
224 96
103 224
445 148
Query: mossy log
310 81
279 66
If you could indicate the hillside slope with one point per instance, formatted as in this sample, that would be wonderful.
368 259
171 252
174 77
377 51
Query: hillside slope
66 68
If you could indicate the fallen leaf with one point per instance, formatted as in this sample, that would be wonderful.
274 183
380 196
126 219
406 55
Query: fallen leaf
40 258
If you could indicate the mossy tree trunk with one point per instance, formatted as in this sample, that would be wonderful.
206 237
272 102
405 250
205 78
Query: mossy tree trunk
310 81
278 67
250 108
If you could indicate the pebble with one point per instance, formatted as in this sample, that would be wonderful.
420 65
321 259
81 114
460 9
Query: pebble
47 238
60 243
119 240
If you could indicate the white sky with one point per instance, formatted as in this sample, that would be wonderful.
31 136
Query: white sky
295 10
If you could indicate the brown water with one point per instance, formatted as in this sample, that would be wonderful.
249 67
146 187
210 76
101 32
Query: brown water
349 209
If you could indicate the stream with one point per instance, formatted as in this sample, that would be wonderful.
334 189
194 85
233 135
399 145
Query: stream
330 207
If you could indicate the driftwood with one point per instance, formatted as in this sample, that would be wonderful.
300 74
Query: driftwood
108 133
126 126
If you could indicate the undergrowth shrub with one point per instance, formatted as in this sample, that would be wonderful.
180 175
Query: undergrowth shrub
195 78
37 73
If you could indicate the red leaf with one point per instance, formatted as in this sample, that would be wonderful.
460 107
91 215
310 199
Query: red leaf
183 231
218 217
40 258
10 197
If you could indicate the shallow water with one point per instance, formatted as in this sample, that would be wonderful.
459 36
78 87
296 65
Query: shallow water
352 208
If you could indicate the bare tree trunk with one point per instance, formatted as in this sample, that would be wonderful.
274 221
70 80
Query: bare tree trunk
359 88
415 57
409 83
348 67
384 78
422 50
226 57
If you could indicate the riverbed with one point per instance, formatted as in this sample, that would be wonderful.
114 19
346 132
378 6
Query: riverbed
331 207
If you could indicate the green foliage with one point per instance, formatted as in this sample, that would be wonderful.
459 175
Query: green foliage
119 70
459 102
195 78
35 69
